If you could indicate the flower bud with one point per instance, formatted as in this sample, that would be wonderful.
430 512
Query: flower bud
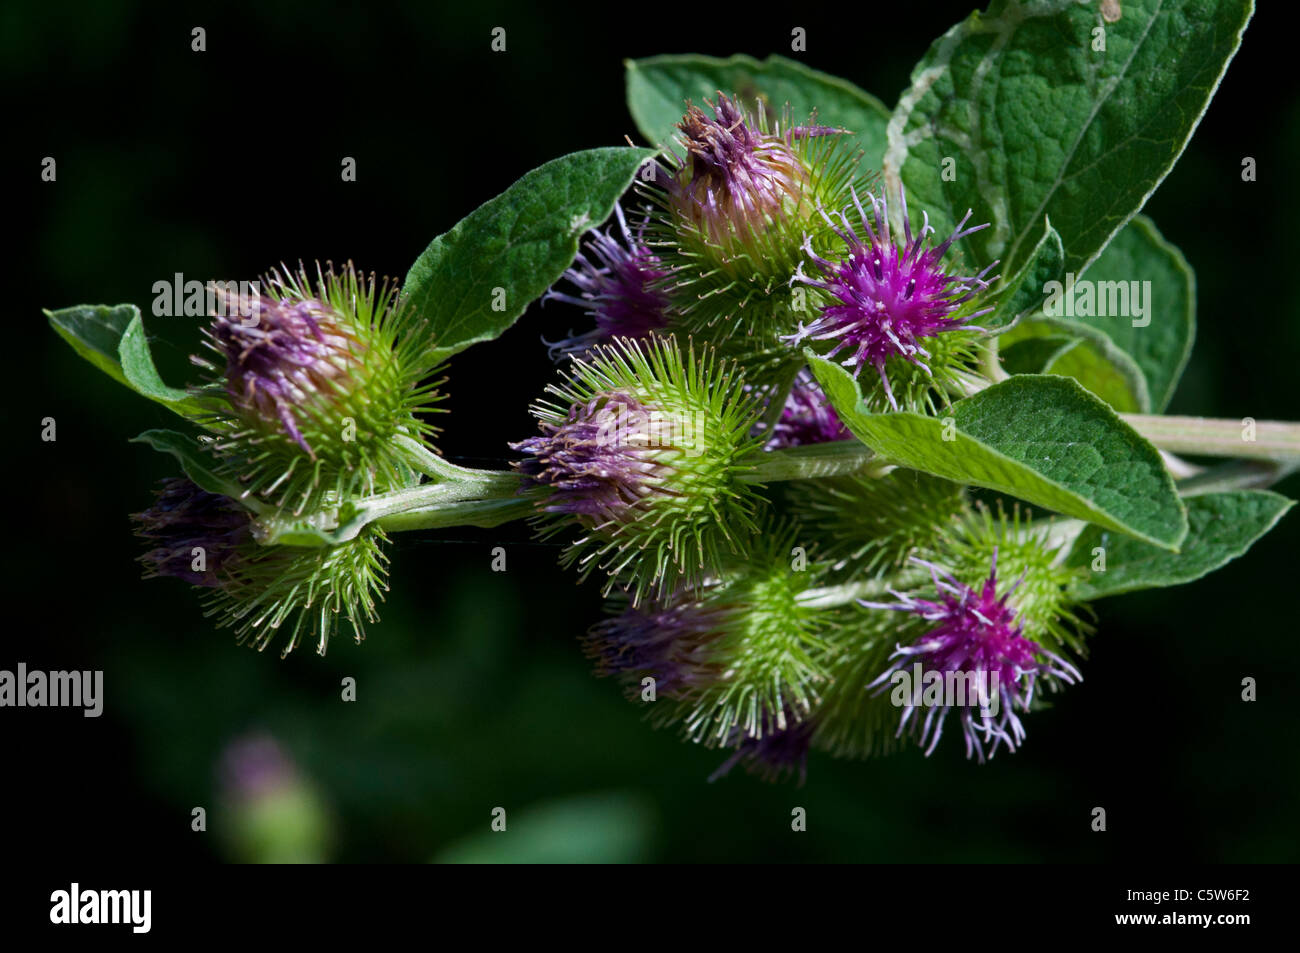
807 417
206 539
737 661
735 208
314 383
196 534
644 455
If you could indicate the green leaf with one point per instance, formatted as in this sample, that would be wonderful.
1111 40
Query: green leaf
1222 526
1037 122
113 339
1030 355
474 281
657 90
1145 359
1043 439
1071 348
1162 341
195 463
1022 293
1104 370
142 376
94 331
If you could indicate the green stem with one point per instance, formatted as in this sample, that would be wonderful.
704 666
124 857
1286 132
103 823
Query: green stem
838 458
485 513
1237 475
425 461
1203 436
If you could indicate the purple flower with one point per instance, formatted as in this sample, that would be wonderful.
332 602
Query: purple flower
184 518
667 644
736 178
776 755
281 355
889 297
619 286
598 460
254 766
807 417
975 634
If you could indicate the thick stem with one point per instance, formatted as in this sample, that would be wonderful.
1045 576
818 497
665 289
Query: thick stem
1204 436
485 513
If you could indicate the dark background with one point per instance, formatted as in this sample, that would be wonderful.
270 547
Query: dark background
472 692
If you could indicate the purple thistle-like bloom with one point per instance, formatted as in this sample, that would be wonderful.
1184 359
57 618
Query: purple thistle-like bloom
778 754
598 460
184 517
890 296
975 632
667 644
281 354
618 284
807 417
734 175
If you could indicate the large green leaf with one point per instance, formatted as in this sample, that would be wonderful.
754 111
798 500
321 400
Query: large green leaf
1141 354
113 339
1043 439
1222 526
1036 121
657 90
474 281
1161 340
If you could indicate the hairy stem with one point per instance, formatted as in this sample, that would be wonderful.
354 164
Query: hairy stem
1204 436
838 458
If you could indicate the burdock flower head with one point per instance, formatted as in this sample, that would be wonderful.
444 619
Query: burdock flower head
887 300
981 663
619 284
207 540
195 533
735 663
740 198
314 383
644 454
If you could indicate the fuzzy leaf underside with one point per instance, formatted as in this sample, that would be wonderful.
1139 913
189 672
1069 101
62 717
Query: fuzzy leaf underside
1222 526
1042 439
113 339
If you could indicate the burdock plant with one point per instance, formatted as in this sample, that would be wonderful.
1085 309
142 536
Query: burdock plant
819 435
